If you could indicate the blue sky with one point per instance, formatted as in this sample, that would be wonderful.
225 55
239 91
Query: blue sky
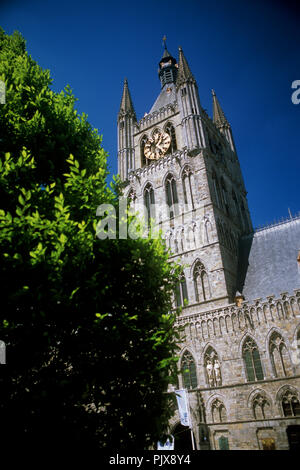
248 51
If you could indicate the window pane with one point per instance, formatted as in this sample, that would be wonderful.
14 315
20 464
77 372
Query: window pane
189 371
169 194
257 365
223 443
152 196
184 290
177 296
147 204
223 416
287 410
296 407
249 366
193 375
196 280
184 181
205 286
186 379
174 191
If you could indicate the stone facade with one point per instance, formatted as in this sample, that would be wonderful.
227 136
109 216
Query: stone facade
239 330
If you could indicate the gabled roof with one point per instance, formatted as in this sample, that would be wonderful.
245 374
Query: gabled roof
166 96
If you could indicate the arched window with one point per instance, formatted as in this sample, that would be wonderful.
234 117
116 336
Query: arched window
187 187
191 236
171 195
188 371
181 292
261 407
201 283
290 404
149 203
279 356
144 160
212 368
207 231
218 411
252 361
180 235
171 131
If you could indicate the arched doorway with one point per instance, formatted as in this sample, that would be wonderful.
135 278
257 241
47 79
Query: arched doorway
182 438
293 433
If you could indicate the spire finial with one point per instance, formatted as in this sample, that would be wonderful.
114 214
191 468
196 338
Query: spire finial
164 41
218 114
184 72
126 101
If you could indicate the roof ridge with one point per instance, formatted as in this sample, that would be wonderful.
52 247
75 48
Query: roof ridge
273 224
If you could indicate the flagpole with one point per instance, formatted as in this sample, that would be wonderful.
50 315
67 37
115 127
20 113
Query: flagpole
192 436
190 420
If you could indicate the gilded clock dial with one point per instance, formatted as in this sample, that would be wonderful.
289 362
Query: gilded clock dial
157 146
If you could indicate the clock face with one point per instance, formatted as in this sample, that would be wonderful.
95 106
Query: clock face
157 146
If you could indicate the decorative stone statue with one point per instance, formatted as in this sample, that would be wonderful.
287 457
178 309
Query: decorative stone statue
217 371
209 369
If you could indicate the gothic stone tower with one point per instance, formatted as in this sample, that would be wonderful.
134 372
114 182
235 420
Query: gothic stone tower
177 158
198 176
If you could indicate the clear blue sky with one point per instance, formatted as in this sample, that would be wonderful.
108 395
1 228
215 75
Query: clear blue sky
248 51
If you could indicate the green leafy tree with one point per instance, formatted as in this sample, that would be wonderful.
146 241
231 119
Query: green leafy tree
90 338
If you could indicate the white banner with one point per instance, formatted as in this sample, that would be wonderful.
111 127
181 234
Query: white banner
168 445
183 407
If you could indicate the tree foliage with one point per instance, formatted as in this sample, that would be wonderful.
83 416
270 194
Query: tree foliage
87 324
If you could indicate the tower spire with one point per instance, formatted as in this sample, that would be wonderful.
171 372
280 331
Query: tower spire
184 71
126 123
218 115
221 122
126 106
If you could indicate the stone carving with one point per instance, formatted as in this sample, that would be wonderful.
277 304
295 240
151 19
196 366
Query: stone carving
250 314
212 366
209 368
217 372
